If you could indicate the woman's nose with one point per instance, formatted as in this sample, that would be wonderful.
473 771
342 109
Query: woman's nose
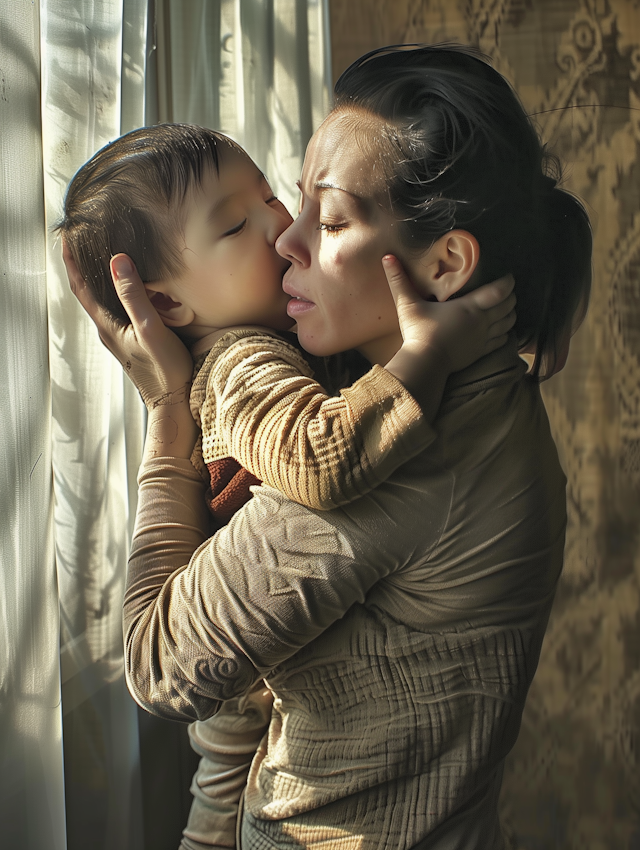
292 246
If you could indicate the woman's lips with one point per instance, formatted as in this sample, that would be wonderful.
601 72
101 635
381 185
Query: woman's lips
297 305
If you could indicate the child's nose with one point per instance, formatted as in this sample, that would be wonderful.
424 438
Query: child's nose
291 245
279 220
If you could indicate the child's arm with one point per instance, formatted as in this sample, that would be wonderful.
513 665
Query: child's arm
263 408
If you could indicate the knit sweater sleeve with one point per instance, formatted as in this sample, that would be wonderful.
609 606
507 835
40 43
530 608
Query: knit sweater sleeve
259 404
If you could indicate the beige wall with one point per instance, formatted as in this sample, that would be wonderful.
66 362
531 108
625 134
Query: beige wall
573 780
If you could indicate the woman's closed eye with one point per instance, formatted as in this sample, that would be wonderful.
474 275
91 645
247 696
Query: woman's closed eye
331 228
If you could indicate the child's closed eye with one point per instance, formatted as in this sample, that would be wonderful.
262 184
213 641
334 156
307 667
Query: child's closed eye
237 229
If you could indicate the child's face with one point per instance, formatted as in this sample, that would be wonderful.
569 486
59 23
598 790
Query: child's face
232 274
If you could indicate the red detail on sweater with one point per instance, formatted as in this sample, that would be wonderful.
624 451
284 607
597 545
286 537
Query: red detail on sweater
229 487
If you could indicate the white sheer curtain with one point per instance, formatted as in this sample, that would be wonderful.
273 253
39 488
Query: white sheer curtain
267 85
73 75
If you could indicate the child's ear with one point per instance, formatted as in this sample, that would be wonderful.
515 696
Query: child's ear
446 267
173 313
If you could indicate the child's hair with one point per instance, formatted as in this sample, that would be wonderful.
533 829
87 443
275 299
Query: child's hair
128 199
459 151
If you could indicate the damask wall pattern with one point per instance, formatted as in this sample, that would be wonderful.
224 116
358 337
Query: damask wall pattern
573 779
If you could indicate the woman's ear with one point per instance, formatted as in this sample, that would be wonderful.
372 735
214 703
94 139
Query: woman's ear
448 265
173 313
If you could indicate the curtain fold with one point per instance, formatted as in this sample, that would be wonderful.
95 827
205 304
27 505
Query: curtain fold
92 90
31 779
267 84
75 74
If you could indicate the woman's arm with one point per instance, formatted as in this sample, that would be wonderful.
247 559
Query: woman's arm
202 627
205 619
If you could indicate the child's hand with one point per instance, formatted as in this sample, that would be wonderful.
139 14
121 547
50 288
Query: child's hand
151 354
456 332
439 339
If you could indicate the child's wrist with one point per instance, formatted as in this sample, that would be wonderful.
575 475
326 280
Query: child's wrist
423 372
425 358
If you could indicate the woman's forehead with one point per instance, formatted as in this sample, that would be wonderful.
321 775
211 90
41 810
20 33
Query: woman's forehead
344 152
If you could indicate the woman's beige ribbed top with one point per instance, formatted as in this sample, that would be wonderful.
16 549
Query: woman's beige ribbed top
399 634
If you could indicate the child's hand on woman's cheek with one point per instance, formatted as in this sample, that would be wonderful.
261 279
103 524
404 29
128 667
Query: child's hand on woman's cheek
441 338
458 331
152 355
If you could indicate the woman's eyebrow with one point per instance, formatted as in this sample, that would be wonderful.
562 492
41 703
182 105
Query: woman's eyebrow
363 202
323 184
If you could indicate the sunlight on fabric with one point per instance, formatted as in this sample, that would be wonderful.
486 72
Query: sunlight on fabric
73 77
93 89
267 86
31 784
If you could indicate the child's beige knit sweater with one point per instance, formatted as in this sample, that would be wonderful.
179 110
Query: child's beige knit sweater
255 400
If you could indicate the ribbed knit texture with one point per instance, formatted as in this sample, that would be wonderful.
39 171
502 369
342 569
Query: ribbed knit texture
255 400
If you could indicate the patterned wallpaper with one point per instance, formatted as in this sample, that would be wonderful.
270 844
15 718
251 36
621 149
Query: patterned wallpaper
573 779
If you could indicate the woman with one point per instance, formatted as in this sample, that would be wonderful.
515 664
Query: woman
399 634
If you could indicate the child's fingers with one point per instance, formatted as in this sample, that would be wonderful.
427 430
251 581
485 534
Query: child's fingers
496 342
399 284
503 325
505 309
492 295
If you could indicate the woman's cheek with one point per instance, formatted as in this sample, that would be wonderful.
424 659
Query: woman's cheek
334 256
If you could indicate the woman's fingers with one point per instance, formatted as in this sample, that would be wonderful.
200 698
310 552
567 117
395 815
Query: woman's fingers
155 359
133 296
158 361
78 285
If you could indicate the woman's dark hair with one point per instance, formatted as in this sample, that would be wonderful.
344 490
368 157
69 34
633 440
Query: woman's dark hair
127 199
460 152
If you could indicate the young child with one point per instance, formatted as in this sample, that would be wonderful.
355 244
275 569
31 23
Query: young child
200 222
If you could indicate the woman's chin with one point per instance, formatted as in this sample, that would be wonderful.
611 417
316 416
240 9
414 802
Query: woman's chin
313 344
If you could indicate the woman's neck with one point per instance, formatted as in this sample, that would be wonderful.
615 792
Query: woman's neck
380 351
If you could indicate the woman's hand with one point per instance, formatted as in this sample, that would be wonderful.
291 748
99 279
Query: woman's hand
459 331
151 354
